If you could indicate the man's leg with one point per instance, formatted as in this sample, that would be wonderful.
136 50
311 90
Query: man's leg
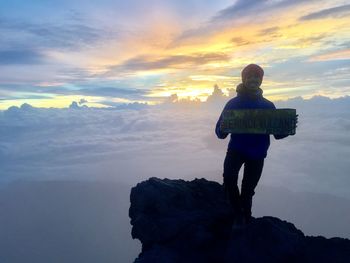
232 164
252 173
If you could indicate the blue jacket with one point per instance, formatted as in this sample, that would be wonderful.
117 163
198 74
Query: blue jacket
254 146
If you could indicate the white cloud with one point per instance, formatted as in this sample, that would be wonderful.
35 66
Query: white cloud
174 142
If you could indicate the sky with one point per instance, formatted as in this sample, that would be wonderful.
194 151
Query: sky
106 53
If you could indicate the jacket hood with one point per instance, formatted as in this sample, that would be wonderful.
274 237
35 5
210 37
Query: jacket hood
242 91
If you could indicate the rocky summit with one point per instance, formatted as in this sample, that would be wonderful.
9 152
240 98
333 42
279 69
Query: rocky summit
191 221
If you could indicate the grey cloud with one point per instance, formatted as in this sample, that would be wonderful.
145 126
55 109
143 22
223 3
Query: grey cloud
113 92
14 88
82 101
247 7
71 35
217 96
338 11
298 69
345 44
33 91
314 38
13 57
240 41
267 33
126 106
26 96
341 83
24 42
269 30
67 36
240 10
179 61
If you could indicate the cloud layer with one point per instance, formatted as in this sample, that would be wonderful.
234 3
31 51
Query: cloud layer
66 173
174 140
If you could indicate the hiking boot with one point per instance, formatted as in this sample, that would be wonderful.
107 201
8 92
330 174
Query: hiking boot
237 222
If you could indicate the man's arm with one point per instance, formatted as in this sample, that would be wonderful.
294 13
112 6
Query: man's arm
220 134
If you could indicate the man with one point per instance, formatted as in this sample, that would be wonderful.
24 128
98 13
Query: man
250 149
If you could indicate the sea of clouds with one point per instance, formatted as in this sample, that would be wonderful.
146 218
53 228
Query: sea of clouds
66 174
174 140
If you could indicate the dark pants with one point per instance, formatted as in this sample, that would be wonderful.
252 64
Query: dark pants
241 203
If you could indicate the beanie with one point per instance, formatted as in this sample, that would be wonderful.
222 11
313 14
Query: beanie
252 68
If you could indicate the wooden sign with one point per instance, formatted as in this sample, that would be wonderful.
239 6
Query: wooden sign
259 121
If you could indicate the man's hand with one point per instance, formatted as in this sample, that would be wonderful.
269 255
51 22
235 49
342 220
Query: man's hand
296 121
281 136
219 133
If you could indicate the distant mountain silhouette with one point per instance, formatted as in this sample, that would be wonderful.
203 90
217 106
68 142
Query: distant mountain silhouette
190 221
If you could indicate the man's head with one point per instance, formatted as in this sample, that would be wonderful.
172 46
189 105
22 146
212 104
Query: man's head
252 76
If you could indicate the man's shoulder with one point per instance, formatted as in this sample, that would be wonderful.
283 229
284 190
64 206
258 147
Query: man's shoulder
269 103
231 102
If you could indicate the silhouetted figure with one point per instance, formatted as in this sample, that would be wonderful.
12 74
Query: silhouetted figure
250 149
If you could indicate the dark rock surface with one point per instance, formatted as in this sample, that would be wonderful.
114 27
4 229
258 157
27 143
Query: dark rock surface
190 221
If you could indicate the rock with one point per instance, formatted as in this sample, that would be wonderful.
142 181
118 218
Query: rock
190 221
271 240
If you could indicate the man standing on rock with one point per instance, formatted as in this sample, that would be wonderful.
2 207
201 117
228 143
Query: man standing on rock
250 149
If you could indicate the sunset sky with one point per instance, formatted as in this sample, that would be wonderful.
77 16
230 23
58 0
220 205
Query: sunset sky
103 53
